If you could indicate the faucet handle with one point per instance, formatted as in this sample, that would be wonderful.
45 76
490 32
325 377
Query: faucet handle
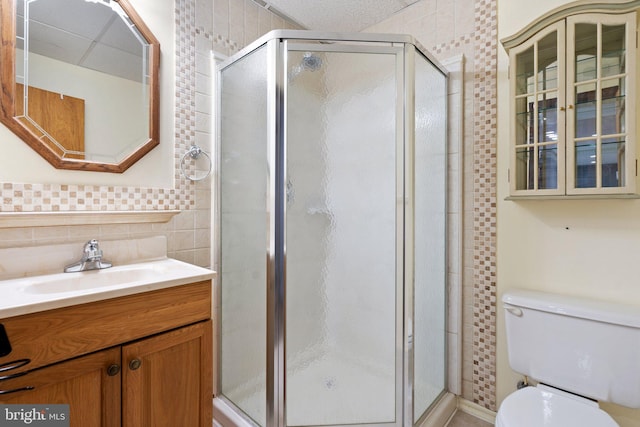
92 251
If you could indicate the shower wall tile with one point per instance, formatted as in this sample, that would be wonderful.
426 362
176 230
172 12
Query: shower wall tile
236 20
264 21
221 18
237 23
204 13
468 27
204 103
464 16
250 21
445 23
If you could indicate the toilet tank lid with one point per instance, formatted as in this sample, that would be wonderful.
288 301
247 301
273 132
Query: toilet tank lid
602 311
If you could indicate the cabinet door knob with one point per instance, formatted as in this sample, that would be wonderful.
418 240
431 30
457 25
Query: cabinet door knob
113 370
135 364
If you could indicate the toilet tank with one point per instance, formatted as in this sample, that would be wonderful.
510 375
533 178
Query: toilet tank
587 347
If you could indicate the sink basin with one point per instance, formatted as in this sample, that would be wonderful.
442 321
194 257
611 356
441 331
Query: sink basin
37 293
86 280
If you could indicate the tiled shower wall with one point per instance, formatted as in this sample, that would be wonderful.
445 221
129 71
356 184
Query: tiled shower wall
189 232
448 29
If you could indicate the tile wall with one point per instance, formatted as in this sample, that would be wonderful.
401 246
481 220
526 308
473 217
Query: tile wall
449 28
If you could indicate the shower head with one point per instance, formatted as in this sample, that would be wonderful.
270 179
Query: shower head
309 62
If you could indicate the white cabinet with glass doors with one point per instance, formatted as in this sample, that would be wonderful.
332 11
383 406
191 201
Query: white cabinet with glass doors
573 108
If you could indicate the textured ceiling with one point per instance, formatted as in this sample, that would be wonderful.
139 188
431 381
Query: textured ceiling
338 15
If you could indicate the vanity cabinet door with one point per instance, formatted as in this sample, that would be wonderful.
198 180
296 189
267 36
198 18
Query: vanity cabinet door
167 379
90 385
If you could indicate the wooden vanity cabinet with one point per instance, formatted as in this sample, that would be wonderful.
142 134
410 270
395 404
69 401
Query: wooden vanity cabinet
161 378
167 379
84 384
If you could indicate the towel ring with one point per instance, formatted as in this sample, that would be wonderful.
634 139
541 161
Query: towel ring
194 152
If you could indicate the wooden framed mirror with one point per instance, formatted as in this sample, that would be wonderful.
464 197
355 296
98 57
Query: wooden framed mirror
80 81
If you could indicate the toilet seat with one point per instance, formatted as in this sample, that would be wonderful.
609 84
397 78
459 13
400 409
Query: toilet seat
544 406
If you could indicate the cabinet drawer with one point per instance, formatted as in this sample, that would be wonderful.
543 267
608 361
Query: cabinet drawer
55 335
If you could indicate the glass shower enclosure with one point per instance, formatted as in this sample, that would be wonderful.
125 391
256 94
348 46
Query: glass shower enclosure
331 222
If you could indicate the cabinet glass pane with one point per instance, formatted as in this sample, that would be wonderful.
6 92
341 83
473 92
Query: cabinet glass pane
586 157
613 106
586 48
613 50
524 120
524 168
613 162
548 117
524 72
586 109
548 62
548 167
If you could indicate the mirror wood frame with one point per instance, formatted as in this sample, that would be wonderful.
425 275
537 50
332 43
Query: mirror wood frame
8 96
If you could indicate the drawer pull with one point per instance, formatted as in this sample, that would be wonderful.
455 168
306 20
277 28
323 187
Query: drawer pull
113 370
15 390
11 376
135 364
14 364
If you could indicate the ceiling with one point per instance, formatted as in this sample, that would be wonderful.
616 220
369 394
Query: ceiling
93 36
336 15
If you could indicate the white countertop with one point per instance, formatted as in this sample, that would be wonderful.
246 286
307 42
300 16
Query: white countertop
38 293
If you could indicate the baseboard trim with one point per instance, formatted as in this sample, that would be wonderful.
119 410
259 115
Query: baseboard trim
476 410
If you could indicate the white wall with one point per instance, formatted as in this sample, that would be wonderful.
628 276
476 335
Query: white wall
19 163
576 247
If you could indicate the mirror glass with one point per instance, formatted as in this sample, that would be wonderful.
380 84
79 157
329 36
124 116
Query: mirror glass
85 89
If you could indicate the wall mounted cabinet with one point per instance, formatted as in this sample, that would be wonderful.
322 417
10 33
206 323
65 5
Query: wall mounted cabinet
573 97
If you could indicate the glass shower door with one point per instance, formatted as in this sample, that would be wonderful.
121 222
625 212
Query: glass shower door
244 236
430 240
343 239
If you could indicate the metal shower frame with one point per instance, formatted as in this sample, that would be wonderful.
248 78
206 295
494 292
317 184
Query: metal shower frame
278 43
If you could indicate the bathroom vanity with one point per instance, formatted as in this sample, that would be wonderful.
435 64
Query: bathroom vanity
122 361
126 346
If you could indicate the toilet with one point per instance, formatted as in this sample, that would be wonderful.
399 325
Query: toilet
579 352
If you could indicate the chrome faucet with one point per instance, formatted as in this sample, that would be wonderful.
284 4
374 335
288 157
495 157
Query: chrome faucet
91 259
